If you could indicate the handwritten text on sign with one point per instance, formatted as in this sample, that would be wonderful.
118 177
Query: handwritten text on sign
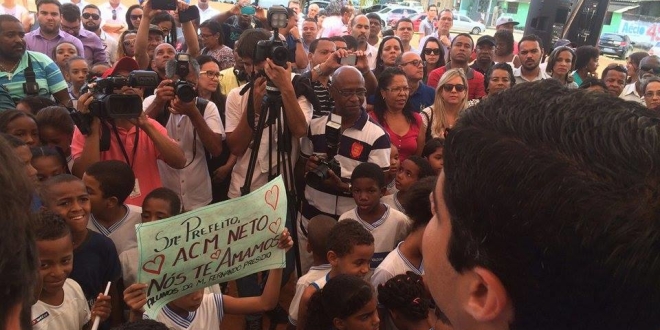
214 244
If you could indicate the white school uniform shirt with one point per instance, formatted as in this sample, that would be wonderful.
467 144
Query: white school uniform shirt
208 316
192 183
388 231
314 273
121 233
392 201
235 105
73 313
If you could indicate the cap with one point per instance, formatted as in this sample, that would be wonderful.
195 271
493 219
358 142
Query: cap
124 64
248 10
564 42
155 28
486 39
505 20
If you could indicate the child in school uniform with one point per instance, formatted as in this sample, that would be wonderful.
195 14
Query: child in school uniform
199 310
96 262
413 169
110 183
350 248
62 303
387 225
317 234
407 257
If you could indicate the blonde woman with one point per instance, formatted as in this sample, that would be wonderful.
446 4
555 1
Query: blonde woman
450 100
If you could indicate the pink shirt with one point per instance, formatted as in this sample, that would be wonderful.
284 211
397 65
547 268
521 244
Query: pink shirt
407 143
144 164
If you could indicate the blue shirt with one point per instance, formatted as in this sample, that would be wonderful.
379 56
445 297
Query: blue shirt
37 43
48 76
422 98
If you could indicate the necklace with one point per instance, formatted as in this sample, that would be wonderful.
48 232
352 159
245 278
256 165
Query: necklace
2 67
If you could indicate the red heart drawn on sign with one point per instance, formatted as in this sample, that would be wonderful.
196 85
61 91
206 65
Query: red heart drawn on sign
275 225
273 196
216 254
155 265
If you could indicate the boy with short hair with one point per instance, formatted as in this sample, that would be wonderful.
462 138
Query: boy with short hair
62 303
350 249
109 184
387 225
317 234
95 255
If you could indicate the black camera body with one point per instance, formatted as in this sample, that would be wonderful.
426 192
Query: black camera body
183 89
332 136
276 50
106 105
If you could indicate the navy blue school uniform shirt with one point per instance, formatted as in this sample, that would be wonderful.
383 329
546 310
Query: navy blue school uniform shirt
422 98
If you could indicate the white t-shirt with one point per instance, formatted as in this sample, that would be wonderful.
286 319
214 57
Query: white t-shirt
208 316
121 233
17 11
72 314
314 273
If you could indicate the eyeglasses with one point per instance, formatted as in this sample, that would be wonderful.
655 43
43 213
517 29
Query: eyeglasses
650 94
655 71
114 14
398 90
450 87
129 42
346 93
210 74
429 51
136 17
93 16
414 63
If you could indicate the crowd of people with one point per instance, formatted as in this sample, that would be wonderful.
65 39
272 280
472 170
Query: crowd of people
456 184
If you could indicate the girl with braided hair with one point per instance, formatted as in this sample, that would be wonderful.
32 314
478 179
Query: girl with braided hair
346 302
406 300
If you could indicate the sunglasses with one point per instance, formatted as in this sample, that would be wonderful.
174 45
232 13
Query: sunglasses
136 17
429 51
655 71
93 16
450 87
114 14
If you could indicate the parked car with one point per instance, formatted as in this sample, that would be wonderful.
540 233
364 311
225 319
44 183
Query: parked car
396 14
615 44
417 21
465 24
655 50
373 9
414 4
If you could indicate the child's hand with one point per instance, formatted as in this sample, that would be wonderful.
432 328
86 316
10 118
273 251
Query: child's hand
135 297
101 307
286 242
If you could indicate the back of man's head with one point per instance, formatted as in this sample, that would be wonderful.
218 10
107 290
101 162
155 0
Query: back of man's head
556 193
248 42
70 12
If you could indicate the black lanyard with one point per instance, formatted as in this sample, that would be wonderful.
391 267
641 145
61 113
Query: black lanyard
121 145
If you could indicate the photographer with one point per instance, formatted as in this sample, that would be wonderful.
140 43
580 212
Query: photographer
142 56
345 138
244 18
139 141
196 132
294 117
295 42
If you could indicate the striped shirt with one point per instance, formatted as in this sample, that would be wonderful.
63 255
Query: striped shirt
365 141
326 101
48 76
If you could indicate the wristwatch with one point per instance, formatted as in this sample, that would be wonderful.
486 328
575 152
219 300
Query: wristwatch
300 40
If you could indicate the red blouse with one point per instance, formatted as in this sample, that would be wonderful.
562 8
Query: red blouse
407 144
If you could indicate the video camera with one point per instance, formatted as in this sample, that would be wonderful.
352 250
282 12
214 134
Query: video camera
107 105
274 49
183 89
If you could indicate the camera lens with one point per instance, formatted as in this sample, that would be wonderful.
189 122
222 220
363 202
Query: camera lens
185 92
280 56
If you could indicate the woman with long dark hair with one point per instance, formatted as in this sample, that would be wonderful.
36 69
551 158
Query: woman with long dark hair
561 63
433 56
133 16
166 23
213 42
393 111
389 49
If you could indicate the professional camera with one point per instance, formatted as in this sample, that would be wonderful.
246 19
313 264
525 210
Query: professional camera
274 49
180 66
332 135
107 105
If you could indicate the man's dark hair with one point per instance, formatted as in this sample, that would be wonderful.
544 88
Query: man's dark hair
45 2
18 261
467 35
167 195
403 20
351 42
431 6
8 18
315 43
592 81
70 12
507 37
373 16
345 10
556 192
347 234
615 67
248 41
115 178
93 6
531 37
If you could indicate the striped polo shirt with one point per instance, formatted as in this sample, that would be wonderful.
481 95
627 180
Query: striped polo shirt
48 76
